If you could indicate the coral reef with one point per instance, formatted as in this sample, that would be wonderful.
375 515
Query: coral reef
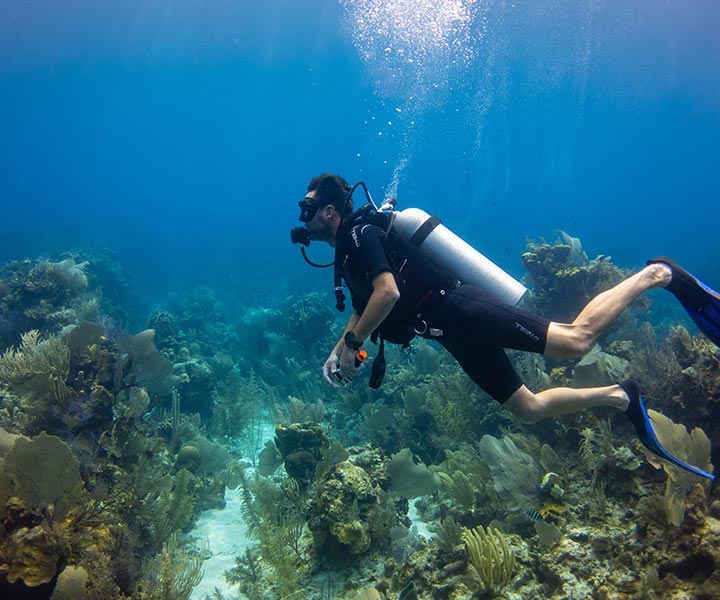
111 445
560 286
42 295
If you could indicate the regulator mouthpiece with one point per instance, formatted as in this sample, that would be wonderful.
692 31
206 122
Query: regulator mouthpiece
300 235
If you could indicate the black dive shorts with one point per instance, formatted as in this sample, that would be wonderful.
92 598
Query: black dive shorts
476 328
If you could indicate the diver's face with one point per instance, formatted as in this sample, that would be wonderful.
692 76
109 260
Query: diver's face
323 226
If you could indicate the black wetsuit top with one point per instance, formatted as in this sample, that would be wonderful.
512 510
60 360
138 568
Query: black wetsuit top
370 253
475 326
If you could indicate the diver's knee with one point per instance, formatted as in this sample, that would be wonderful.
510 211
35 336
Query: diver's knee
569 341
525 406
581 344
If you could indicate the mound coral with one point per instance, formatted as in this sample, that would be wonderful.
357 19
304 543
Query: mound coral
342 509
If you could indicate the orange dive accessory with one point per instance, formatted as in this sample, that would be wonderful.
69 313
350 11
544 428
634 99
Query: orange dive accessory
360 357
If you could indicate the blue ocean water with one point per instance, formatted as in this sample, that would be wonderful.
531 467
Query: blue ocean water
181 134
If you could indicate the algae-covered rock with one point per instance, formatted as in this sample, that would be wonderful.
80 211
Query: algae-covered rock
354 535
196 382
300 465
300 436
30 555
301 446
342 509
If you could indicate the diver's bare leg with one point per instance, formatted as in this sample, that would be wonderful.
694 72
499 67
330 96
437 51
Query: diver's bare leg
531 408
577 338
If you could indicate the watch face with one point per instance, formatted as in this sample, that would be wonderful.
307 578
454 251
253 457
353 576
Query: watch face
351 342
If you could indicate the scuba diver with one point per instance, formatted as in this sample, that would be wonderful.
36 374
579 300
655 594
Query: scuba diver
406 283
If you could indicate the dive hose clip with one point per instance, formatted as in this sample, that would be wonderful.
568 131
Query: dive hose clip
423 330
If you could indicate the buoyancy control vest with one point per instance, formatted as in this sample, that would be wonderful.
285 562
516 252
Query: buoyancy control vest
425 256
421 249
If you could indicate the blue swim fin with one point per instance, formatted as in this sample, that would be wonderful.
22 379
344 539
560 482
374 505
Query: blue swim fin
637 413
700 301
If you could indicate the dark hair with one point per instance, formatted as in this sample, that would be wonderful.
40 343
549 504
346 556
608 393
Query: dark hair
332 189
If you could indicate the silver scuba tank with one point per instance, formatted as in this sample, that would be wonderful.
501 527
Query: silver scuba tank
451 252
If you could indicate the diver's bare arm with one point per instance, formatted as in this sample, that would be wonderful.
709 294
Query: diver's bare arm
354 318
382 300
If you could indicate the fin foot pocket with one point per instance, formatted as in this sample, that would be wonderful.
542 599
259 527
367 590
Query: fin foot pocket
700 301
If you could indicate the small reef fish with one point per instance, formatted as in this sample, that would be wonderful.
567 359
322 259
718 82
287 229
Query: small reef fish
533 515
408 592
150 414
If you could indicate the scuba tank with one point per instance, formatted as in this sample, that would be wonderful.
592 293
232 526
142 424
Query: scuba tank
450 252
440 245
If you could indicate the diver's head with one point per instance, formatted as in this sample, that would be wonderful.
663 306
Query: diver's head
326 203
323 190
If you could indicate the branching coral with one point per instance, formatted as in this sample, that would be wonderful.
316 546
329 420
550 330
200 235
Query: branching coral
448 534
49 358
276 517
172 574
298 411
465 478
247 572
178 507
491 559
596 445
457 406
238 411
164 504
